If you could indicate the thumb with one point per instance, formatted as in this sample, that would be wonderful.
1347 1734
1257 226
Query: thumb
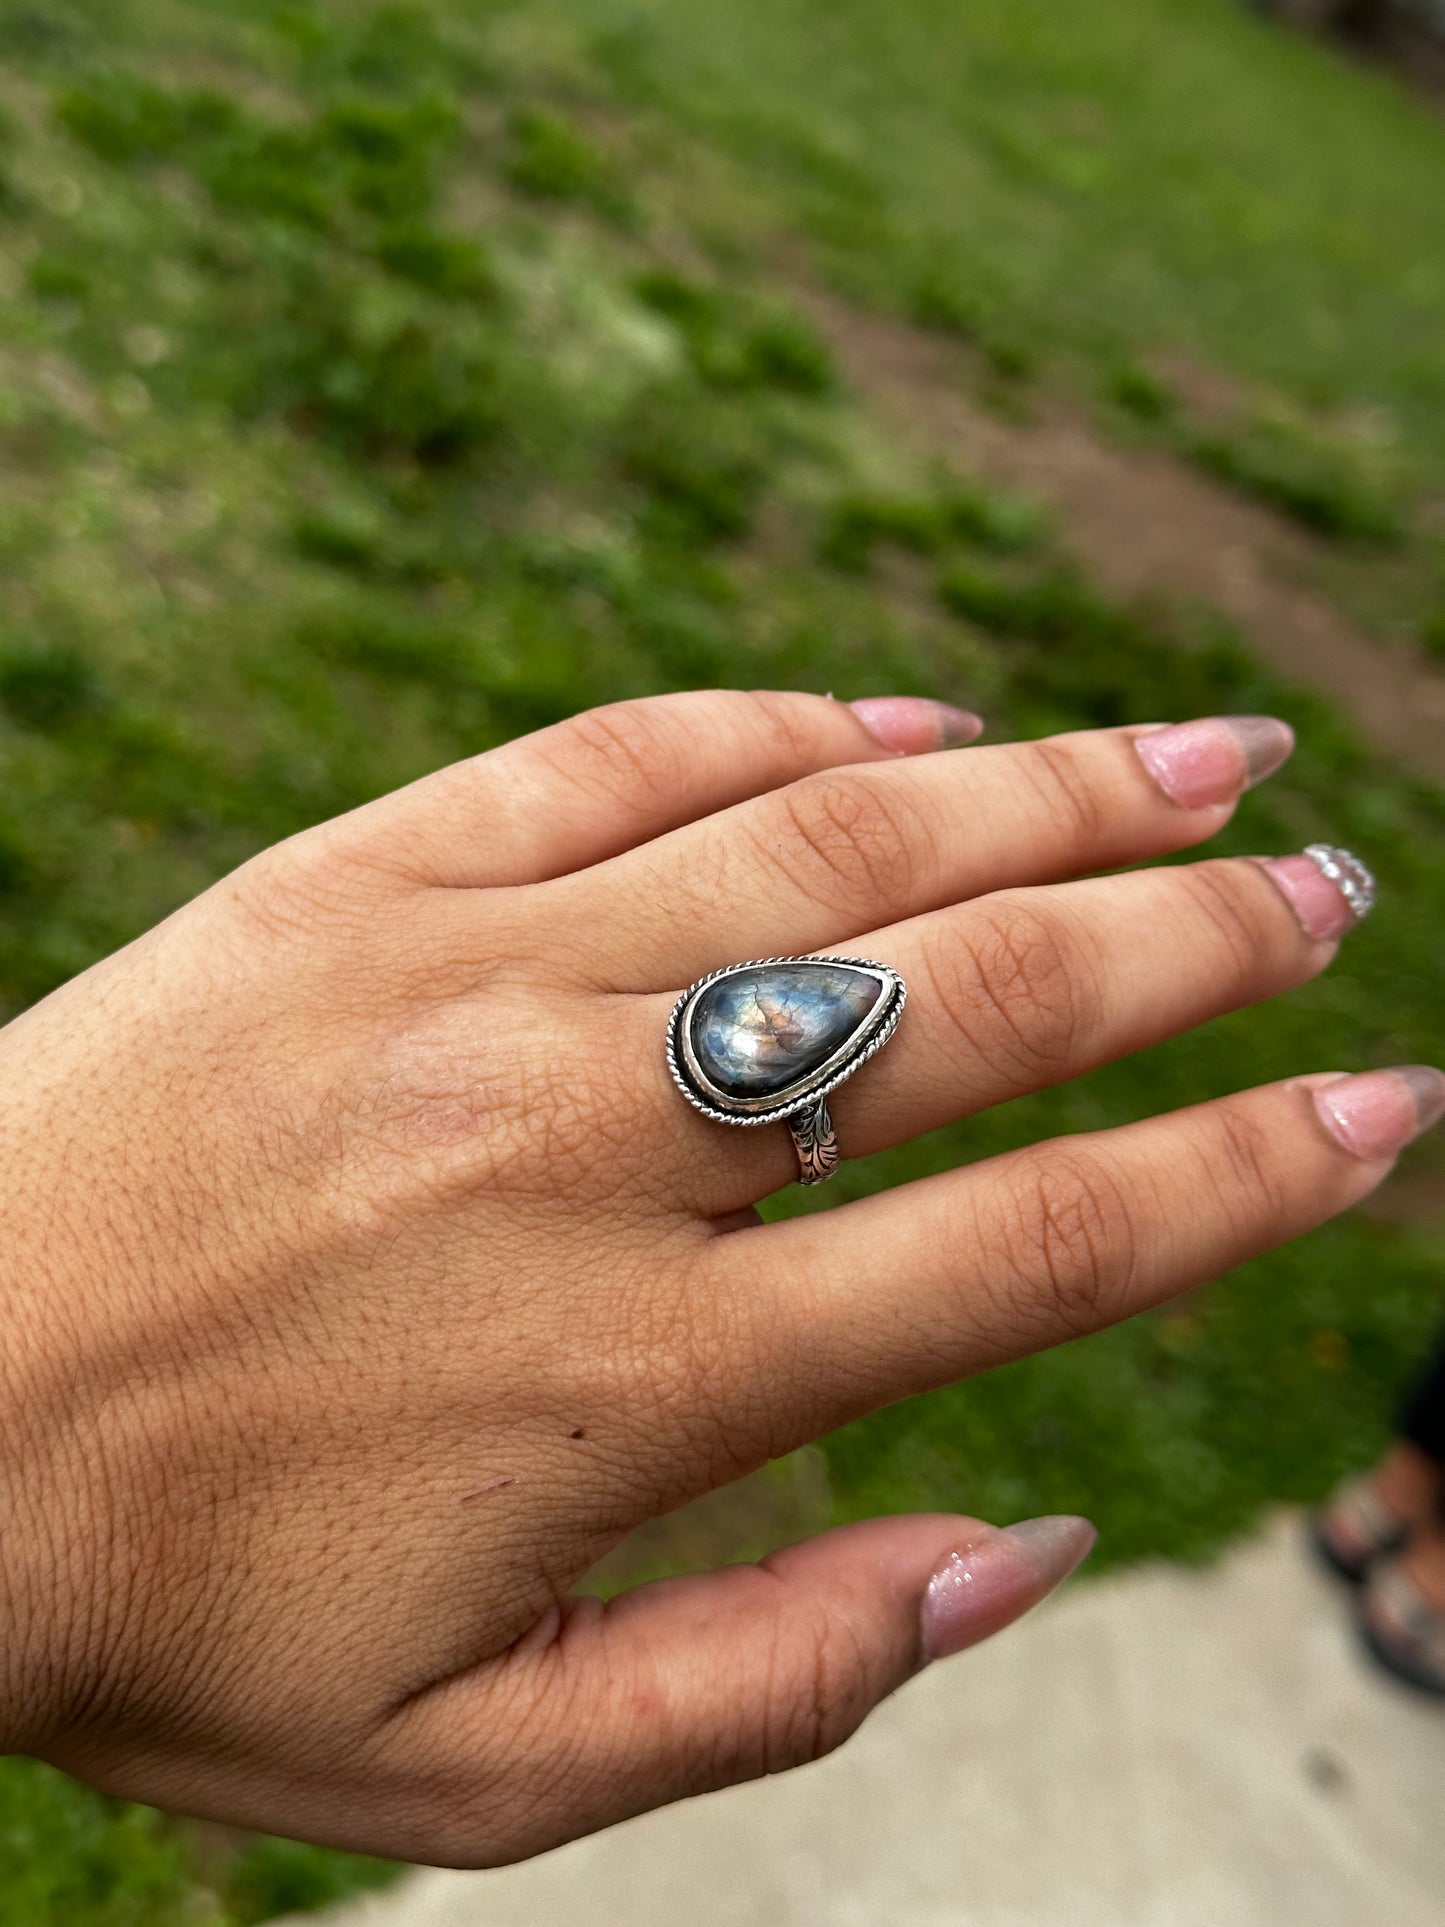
689 1684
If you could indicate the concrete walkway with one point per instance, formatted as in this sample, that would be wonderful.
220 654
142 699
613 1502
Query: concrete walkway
1167 1749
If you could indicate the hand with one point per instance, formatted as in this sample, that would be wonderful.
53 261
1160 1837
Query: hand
367 1278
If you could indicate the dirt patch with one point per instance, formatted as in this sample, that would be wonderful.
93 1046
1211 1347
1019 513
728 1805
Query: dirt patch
1145 525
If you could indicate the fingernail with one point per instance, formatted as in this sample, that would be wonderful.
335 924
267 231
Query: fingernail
985 1586
1215 759
912 725
1329 889
1378 1113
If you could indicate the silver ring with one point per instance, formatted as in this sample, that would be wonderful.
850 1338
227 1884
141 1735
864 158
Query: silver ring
1354 881
765 1042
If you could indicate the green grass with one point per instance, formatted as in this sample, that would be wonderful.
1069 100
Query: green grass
71 1858
1158 173
1341 487
376 382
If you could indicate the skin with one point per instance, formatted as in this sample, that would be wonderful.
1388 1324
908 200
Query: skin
1411 1484
367 1279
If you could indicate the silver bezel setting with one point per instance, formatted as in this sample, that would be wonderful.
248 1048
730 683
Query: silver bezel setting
872 1034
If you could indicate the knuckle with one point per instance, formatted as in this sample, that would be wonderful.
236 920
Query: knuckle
571 1137
676 1358
444 1109
1226 914
849 843
633 753
1241 1162
1018 992
706 1422
644 754
781 724
1069 788
821 1695
815 1682
479 1802
300 887
1070 1234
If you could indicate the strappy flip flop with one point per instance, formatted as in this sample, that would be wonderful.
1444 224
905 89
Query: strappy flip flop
1402 1630
1355 1528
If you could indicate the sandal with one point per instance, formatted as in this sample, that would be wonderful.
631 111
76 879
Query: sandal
1402 1630
1355 1528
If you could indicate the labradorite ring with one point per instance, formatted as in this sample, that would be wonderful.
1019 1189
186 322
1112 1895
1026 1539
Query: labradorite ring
765 1042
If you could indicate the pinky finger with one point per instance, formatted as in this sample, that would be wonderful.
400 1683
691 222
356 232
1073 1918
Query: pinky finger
950 1275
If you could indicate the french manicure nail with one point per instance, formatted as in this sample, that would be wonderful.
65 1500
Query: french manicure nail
988 1584
1377 1113
911 725
1215 759
1328 888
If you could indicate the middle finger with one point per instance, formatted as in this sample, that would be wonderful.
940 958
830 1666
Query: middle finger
813 864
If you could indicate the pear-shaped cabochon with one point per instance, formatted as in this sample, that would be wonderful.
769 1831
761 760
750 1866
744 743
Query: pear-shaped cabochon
758 1031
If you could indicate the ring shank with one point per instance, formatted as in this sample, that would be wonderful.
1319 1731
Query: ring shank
816 1143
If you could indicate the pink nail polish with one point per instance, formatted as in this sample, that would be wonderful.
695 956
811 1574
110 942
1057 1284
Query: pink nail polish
1376 1114
987 1585
1215 759
1329 889
912 725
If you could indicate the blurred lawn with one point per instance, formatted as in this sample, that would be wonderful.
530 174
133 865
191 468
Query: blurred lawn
378 382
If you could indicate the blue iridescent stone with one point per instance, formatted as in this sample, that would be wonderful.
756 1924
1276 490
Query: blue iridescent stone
761 1029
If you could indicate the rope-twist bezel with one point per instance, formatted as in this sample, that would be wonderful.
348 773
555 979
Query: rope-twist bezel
895 990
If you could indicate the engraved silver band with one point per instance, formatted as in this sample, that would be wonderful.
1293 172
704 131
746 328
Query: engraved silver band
1353 879
816 1143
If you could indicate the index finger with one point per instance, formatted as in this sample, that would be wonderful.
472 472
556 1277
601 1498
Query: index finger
582 790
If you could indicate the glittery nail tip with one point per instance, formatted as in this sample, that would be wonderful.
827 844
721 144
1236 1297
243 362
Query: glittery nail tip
1202 764
913 725
984 1586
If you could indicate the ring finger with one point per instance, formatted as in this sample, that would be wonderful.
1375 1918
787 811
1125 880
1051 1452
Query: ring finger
1027 988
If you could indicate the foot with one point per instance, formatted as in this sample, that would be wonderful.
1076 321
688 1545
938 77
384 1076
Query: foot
1423 1563
1402 1612
1410 1483
1374 1515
